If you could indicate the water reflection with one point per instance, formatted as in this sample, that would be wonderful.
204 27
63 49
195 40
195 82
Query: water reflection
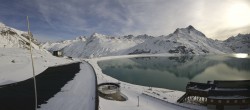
241 55
175 72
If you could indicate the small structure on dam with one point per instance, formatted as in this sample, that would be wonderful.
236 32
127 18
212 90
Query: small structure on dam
58 53
218 94
111 91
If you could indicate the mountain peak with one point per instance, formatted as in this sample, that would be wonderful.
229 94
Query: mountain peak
96 35
83 38
188 30
190 27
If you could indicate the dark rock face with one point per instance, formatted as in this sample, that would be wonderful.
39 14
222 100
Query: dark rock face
182 50
137 51
27 36
205 51
129 36
8 32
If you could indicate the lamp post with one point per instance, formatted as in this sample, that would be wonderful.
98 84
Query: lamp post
33 68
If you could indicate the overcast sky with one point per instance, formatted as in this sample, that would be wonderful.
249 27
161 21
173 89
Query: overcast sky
67 19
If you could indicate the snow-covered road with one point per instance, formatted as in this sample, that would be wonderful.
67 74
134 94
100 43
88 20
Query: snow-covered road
78 94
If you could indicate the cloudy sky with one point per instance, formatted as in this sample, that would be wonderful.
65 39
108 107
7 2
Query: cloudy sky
67 19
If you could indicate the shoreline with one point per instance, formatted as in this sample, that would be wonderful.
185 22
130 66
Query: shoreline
132 90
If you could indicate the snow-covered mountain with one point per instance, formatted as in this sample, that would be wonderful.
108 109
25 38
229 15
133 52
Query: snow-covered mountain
182 41
15 62
239 43
60 45
13 38
97 45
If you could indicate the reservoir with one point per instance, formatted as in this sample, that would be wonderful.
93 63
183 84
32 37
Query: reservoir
174 72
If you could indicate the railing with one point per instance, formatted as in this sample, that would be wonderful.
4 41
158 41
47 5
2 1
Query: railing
96 90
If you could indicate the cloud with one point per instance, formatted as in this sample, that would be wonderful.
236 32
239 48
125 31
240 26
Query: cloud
163 17
71 18
81 15
157 17
225 33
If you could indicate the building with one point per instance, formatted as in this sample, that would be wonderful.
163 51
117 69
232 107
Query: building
218 94
57 53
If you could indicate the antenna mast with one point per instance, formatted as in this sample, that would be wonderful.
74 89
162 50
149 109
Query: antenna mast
33 68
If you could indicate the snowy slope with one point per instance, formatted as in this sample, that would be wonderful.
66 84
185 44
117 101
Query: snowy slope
97 45
239 43
101 45
182 41
15 62
13 38
60 45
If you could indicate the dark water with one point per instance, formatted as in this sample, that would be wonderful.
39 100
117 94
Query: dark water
175 72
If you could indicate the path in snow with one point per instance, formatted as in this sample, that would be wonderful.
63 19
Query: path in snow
20 96
77 94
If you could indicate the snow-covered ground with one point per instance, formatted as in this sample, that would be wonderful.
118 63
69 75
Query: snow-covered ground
149 99
78 94
15 64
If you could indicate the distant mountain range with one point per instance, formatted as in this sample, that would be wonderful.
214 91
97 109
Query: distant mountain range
182 41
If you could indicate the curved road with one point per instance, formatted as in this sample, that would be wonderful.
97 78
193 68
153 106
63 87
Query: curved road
20 96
